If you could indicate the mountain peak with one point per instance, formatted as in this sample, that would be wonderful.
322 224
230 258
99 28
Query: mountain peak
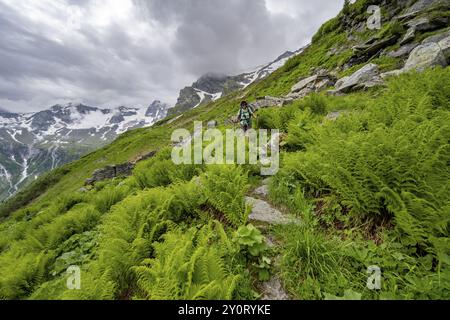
212 86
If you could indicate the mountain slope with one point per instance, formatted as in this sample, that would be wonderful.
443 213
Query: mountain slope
34 143
364 166
211 87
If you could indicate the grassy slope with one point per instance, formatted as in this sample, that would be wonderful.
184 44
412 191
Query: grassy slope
131 144
110 230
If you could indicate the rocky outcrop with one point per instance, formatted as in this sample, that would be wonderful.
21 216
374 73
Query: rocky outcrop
366 77
409 36
419 7
318 82
429 54
262 191
117 171
437 38
434 51
425 56
417 20
268 101
374 46
445 47
403 51
425 23
111 172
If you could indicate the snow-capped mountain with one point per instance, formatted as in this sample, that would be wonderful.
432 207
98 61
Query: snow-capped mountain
212 87
33 143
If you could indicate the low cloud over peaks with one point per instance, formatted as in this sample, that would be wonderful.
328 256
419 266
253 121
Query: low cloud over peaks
131 52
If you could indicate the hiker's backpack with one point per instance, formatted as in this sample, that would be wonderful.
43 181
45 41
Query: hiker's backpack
245 115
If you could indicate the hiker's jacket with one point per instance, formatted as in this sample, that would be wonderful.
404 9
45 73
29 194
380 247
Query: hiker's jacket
245 116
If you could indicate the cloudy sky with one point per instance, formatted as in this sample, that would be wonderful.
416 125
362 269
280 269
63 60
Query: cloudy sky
131 52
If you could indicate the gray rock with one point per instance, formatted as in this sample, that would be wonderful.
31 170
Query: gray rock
124 170
393 73
421 5
262 191
266 102
273 290
316 83
436 38
373 46
333 116
324 83
425 56
298 95
445 47
402 51
265 213
409 36
212 124
367 76
303 83
424 24
111 172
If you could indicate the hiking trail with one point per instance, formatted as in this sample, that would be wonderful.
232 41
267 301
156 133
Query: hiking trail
264 216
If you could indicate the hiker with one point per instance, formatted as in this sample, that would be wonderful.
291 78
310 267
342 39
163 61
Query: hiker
246 113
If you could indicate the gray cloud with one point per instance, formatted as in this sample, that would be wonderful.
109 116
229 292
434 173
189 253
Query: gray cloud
133 51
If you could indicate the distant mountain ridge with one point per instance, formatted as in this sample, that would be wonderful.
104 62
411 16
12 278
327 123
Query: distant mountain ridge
33 143
211 87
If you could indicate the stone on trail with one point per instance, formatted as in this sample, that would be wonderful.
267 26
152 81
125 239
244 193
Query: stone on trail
265 213
273 290
262 191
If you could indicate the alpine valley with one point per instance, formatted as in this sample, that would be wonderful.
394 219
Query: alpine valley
34 143
359 209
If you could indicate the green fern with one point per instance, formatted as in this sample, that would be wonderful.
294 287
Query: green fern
187 266
225 188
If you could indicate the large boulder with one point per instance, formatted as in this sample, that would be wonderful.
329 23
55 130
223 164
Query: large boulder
304 83
367 76
434 51
426 56
445 47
